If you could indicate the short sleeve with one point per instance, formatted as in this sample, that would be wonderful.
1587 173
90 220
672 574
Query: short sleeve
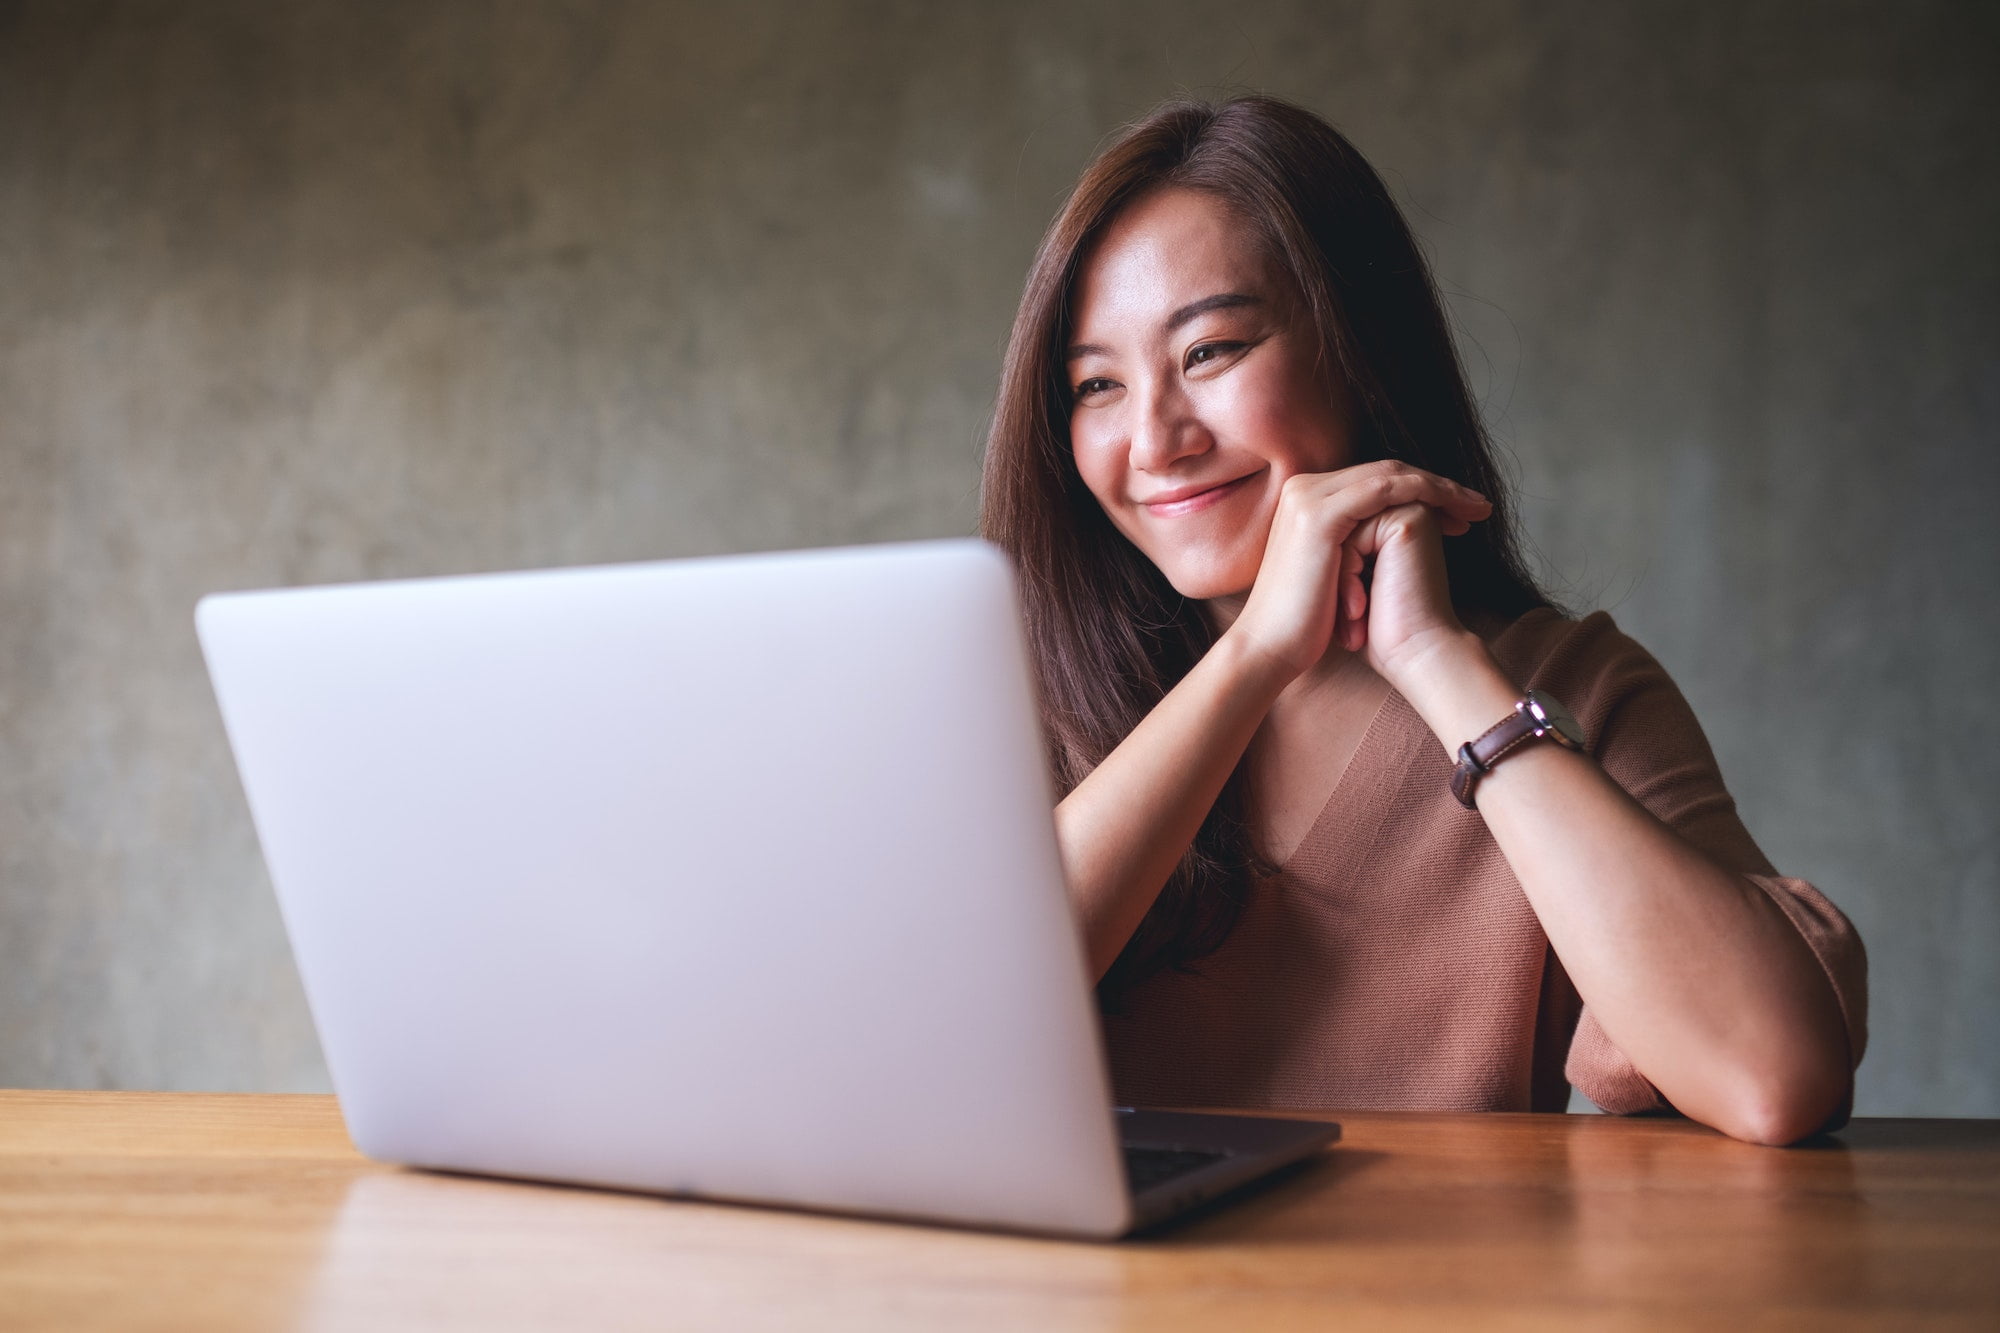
1646 737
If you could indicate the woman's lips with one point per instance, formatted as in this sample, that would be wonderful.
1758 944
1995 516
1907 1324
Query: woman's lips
1199 501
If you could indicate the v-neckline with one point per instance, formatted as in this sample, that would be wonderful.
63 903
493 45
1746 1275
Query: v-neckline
1386 752
1376 739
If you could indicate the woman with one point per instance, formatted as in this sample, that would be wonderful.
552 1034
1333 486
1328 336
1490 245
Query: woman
1273 588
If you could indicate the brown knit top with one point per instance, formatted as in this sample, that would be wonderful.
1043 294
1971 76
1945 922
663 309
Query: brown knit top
1393 961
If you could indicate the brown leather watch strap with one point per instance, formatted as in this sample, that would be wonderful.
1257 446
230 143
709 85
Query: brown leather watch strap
1536 714
1478 755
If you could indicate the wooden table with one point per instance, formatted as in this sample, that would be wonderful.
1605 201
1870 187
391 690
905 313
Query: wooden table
176 1211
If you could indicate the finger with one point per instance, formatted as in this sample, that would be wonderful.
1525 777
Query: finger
1354 596
1399 483
1343 602
1335 503
1339 593
1354 593
1375 532
1365 540
1372 487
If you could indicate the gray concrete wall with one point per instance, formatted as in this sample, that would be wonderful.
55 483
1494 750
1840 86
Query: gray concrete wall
326 290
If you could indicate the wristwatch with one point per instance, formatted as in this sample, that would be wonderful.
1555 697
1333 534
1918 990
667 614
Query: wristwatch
1535 716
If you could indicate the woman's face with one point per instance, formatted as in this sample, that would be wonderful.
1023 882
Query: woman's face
1193 389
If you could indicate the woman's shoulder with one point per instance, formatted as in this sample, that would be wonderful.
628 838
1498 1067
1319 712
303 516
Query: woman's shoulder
1588 663
1544 640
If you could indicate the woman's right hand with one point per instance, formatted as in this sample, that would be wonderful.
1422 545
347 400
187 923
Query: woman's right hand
1310 578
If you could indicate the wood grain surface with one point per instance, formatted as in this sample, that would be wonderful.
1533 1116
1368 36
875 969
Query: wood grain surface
180 1211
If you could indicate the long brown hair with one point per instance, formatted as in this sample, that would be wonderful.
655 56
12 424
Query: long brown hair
1109 635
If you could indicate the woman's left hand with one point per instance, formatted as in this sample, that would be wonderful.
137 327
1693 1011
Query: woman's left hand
1405 608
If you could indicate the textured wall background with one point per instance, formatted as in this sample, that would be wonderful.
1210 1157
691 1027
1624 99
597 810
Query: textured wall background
318 291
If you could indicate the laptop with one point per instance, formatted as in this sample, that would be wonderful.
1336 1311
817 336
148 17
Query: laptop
731 878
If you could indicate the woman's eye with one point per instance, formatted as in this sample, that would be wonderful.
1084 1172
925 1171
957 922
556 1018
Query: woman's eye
1205 352
1091 386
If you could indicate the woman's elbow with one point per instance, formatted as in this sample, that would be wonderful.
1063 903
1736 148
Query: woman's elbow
1780 1109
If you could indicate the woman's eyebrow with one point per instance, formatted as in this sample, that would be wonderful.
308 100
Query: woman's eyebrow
1192 310
1220 301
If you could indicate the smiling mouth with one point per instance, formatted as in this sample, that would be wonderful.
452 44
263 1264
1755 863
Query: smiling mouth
1200 500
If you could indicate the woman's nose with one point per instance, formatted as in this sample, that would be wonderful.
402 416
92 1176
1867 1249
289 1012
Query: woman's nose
1165 430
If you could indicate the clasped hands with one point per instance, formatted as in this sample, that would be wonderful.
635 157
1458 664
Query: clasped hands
1328 529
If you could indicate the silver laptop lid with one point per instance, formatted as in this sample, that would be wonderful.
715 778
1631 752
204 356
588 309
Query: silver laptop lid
732 877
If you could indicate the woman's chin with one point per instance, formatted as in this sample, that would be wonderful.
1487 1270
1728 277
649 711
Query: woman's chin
1208 560
1199 582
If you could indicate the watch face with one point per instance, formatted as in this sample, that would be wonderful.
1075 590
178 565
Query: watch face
1556 719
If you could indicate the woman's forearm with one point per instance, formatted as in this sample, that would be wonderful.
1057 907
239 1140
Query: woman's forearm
1126 826
1694 973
